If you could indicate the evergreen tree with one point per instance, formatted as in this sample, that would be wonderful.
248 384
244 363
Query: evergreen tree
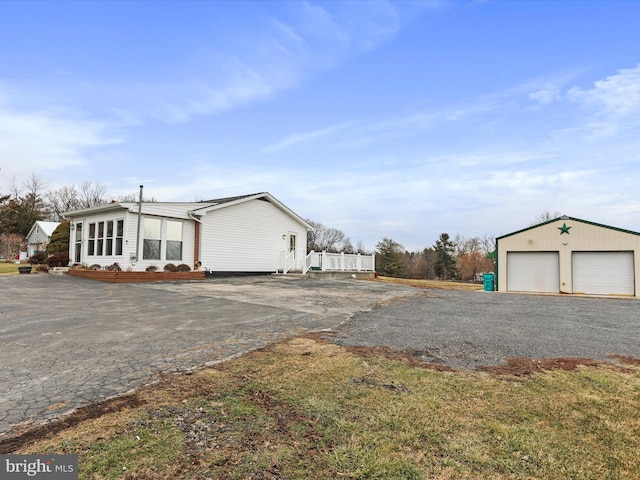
19 214
390 259
445 262
60 238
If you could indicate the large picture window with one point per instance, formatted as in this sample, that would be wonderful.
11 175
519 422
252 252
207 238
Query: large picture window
174 240
151 244
105 238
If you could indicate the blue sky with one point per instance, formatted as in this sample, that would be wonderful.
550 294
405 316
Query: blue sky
382 119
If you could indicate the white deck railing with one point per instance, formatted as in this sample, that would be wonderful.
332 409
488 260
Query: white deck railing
340 262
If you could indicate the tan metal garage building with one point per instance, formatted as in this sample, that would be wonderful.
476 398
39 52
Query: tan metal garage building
569 255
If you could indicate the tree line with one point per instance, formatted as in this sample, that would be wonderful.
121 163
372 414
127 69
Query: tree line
460 258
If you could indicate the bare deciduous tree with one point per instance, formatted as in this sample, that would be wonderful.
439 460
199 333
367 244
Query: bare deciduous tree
546 216
62 200
92 194
11 244
325 239
135 198
488 244
471 264
35 185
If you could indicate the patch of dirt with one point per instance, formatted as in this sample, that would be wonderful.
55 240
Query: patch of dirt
517 366
429 284
525 366
27 433
627 360
412 357
408 356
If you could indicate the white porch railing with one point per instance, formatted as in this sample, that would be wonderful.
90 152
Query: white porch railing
288 261
340 262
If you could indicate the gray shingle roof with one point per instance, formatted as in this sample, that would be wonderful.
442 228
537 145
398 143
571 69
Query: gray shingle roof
230 199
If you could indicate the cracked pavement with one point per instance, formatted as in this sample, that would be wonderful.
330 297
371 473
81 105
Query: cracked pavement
67 342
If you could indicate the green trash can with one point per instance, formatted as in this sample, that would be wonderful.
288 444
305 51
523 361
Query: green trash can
487 278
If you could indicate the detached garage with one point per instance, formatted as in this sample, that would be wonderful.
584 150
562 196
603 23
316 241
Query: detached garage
569 255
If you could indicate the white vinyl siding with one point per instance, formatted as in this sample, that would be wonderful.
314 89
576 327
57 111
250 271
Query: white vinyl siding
603 273
533 272
249 237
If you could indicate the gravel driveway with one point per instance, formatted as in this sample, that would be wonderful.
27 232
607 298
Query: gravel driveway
465 330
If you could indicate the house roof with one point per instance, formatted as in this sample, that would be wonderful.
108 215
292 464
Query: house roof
232 199
47 228
211 205
186 209
573 219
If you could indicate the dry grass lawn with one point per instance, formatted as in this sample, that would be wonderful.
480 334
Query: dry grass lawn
432 284
8 267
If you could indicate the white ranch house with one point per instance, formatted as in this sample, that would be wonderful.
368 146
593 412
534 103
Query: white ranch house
245 234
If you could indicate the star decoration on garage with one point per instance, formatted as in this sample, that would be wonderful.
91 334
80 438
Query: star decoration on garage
564 229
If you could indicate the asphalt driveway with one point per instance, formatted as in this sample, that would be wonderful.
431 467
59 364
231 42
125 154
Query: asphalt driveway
68 342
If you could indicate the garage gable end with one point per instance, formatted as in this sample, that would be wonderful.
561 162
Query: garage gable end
569 255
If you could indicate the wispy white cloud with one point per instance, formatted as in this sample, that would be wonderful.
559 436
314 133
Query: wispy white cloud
44 140
302 137
617 94
548 90
547 95
612 103
282 53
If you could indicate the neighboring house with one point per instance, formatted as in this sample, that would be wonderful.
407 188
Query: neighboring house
39 236
249 233
569 255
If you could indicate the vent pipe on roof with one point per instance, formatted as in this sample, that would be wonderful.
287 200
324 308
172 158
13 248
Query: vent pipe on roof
139 223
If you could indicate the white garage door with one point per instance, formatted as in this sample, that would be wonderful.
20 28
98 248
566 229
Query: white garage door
603 273
533 272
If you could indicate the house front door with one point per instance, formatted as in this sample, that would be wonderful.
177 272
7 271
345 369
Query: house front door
292 246
292 243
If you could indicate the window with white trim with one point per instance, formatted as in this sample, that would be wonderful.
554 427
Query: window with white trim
174 240
92 239
119 236
108 246
78 240
105 238
152 238
100 240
